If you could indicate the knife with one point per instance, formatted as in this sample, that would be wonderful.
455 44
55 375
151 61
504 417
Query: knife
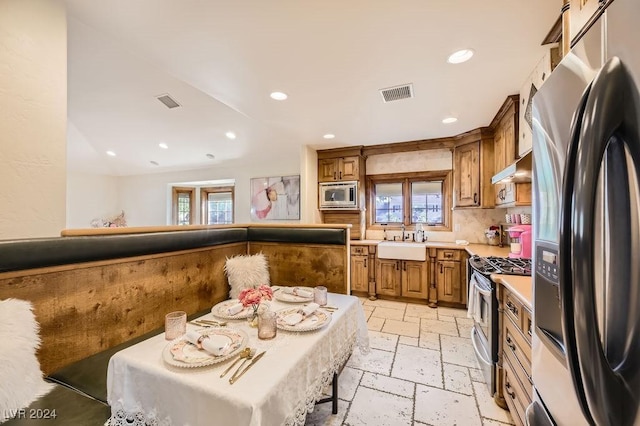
233 379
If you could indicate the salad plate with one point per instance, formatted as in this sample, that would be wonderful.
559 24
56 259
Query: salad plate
284 295
181 353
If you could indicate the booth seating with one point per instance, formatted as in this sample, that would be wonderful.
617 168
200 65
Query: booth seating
98 293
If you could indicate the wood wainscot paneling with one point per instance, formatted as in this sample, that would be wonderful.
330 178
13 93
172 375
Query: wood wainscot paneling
306 264
86 308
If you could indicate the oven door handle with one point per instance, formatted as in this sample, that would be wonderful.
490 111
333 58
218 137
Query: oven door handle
481 352
480 289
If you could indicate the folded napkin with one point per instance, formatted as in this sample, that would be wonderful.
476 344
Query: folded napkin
295 318
216 344
234 309
297 291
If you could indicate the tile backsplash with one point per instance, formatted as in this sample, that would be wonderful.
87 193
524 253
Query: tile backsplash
472 224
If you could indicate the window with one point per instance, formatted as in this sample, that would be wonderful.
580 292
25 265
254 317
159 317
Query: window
410 198
217 205
183 201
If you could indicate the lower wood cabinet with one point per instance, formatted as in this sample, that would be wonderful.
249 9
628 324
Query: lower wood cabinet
406 278
451 282
360 268
440 278
515 355
448 281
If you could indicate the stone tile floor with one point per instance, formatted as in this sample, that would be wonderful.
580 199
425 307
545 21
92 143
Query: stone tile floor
421 371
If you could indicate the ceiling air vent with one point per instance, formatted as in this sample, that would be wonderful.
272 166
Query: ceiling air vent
168 101
396 93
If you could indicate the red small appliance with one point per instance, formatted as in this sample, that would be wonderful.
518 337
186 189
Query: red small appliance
520 237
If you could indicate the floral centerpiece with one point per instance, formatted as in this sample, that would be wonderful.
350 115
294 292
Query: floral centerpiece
254 297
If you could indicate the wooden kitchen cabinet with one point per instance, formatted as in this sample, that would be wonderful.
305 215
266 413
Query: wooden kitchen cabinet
415 279
451 277
339 169
473 167
360 269
515 355
388 277
406 278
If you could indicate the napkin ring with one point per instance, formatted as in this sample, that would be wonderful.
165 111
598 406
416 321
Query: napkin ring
200 339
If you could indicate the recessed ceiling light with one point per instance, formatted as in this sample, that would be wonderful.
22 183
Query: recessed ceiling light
230 135
163 145
449 120
460 56
155 163
329 136
211 156
278 96
111 153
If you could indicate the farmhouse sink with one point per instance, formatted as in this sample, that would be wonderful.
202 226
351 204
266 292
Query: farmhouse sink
402 250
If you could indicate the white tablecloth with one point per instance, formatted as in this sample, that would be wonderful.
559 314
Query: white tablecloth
278 390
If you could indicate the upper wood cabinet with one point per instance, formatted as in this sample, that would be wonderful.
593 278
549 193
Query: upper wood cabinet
505 133
473 166
339 169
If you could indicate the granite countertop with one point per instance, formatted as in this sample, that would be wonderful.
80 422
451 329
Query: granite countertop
521 287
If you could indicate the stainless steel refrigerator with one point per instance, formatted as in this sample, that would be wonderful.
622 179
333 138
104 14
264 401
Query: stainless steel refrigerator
586 204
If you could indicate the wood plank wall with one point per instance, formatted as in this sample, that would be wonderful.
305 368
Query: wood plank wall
86 308
306 264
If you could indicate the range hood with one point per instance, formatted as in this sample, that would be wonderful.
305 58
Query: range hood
520 171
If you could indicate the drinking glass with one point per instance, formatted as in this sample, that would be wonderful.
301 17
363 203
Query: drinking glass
175 324
320 295
267 328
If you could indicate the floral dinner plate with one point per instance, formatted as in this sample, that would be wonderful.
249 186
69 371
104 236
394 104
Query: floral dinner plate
316 320
220 310
181 353
283 295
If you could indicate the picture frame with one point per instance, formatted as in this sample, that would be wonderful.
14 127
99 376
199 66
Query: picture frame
275 198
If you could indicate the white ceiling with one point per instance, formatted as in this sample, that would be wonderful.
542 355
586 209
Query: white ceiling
221 59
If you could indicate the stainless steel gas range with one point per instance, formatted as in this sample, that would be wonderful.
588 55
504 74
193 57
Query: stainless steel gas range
483 308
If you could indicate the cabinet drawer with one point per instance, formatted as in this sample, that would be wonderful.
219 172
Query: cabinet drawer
515 344
359 250
514 394
449 254
513 309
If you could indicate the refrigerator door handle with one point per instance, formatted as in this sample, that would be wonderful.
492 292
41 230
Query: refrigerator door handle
605 124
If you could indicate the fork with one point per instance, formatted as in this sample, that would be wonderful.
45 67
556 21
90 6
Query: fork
244 361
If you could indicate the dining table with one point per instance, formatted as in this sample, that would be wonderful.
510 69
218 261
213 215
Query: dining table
145 386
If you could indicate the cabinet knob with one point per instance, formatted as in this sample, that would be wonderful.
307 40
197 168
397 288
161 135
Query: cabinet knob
365 262
510 344
340 174
441 269
475 197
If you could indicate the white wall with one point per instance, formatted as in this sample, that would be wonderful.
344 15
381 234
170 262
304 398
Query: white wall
91 197
33 117
145 198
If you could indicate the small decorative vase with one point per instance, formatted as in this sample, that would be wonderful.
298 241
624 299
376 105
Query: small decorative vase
253 319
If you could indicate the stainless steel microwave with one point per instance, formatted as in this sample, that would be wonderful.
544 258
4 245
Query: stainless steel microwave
338 195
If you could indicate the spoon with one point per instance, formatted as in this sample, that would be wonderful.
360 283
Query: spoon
245 353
